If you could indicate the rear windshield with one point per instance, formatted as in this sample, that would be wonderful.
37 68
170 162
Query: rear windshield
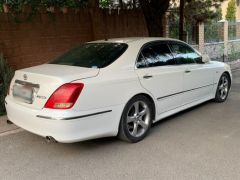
92 55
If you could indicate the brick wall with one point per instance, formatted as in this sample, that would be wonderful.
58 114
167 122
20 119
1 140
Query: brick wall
47 36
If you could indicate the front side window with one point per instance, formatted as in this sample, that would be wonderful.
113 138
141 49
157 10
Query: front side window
185 54
92 55
157 54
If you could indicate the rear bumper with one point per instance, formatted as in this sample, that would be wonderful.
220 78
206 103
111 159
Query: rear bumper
66 126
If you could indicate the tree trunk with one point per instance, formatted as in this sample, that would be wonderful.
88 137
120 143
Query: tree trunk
134 4
93 4
154 12
121 4
194 32
155 25
181 20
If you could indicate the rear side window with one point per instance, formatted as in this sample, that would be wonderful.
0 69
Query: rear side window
157 54
185 54
92 55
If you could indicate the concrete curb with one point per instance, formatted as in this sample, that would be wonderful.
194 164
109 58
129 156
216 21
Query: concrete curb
3 118
6 128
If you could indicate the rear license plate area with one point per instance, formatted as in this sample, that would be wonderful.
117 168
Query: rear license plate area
24 91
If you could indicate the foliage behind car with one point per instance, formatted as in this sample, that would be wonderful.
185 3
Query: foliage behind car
6 74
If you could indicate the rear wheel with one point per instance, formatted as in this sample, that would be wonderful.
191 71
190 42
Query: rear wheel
223 88
136 119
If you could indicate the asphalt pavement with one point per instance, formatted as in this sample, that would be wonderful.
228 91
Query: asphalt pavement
200 143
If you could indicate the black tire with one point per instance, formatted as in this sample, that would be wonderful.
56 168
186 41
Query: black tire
130 119
223 88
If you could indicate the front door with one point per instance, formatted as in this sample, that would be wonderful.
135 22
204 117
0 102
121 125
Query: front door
198 76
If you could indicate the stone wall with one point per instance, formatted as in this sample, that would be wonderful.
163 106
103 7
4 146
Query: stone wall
216 50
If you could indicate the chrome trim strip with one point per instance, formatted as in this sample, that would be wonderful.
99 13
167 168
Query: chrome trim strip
76 117
27 83
185 91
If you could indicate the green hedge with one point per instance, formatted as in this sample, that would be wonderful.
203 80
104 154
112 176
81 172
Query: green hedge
6 74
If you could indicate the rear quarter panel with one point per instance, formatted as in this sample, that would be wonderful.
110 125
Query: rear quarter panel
114 85
108 89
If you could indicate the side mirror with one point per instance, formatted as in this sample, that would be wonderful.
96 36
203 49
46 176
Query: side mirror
205 58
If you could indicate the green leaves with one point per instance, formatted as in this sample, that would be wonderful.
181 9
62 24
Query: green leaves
49 3
6 74
231 10
202 10
16 6
104 3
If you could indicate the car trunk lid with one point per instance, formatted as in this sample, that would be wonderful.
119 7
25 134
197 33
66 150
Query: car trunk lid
32 87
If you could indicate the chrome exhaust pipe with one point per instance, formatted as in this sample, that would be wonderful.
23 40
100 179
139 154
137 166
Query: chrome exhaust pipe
50 139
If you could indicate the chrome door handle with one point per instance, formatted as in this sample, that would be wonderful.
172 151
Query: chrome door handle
147 76
187 71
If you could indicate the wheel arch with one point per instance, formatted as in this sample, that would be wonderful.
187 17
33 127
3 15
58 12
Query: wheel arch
150 98
121 133
229 76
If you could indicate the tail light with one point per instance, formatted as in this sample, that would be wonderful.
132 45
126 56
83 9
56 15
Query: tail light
65 96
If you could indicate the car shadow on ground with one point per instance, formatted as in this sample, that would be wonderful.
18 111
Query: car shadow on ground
181 113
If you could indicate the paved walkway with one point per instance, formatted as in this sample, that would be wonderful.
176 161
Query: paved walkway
6 128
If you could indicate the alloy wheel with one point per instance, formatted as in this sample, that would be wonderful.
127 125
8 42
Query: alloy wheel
138 118
223 87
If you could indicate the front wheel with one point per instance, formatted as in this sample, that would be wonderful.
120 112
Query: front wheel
136 119
223 88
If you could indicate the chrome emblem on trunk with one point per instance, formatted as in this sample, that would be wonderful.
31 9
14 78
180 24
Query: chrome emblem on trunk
25 77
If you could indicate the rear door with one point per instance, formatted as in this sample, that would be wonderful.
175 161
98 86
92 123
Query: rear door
159 74
198 76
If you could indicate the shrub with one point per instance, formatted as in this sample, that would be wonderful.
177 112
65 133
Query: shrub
231 10
6 74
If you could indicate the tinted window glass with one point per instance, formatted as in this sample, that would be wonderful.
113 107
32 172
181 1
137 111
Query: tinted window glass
92 55
157 55
184 54
141 61
164 55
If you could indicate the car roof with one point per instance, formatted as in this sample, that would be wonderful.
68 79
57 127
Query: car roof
135 44
131 40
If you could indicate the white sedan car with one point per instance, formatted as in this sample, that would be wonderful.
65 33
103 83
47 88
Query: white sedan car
115 87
